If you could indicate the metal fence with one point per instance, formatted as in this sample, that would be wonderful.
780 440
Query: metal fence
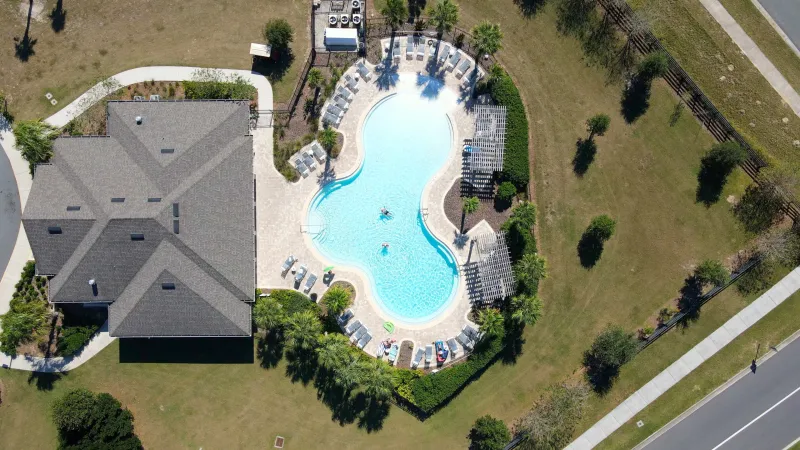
646 42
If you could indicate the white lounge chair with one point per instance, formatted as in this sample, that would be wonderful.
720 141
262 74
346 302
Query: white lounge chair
444 54
341 103
301 167
331 119
409 47
308 160
335 110
473 77
351 82
428 354
352 327
462 68
396 51
393 353
363 71
344 93
421 49
309 283
301 273
451 343
417 358
288 263
364 341
359 334
465 341
453 61
318 151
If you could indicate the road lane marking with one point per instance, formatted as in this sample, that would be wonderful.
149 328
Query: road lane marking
792 444
754 420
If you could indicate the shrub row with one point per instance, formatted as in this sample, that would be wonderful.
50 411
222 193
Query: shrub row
237 89
516 168
294 302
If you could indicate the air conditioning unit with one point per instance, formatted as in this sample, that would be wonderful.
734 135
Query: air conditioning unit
155 97
344 19
138 98
356 4
356 19
332 20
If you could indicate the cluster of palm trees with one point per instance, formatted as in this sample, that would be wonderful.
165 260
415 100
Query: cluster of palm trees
443 15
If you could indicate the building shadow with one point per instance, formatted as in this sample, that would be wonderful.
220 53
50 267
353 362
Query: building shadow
23 47
58 17
232 350
585 151
274 68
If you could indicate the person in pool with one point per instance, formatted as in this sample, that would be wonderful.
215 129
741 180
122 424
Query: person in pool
385 212
385 245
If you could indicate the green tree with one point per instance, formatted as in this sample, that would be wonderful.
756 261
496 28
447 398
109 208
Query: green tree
725 156
526 309
611 349
315 78
760 207
506 191
491 322
529 271
444 16
303 330
88 421
327 138
20 324
35 141
333 351
487 38
598 125
395 12
377 380
602 227
268 314
715 167
489 433
711 271
551 423
72 411
523 214
336 299
278 34
471 204
654 65
349 374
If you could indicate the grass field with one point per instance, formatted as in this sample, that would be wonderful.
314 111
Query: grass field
707 53
102 38
768 40
771 330
644 175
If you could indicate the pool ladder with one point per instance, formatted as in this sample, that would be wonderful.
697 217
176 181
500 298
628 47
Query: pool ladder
424 213
317 229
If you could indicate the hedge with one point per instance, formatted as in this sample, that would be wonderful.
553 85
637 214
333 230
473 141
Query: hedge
235 88
516 168
293 301
435 390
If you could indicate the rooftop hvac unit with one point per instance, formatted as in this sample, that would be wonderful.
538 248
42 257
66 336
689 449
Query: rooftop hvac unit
138 120
333 20
356 19
356 4
344 19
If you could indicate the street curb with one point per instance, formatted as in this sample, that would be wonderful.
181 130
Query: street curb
775 26
717 391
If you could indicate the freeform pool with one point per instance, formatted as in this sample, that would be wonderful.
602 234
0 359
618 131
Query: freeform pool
406 139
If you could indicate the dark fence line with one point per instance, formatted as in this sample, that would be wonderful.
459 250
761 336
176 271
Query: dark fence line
715 122
679 317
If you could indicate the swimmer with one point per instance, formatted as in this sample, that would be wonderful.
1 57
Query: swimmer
385 212
385 245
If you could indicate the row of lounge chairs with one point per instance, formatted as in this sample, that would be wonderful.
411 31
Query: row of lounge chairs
429 353
468 337
304 161
300 274
358 332
454 60
340 102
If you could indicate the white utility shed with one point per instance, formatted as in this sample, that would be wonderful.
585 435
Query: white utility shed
341 37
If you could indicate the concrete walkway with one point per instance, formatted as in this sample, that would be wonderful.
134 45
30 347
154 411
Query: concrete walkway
262 139
688 362
756 56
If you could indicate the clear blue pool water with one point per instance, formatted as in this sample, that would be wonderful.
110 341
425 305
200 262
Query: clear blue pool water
406 138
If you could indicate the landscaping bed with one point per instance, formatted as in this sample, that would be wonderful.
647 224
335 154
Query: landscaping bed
493 213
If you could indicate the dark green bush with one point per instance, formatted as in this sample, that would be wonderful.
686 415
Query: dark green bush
73 339
237 89
515 163
506 191
520 241
294 302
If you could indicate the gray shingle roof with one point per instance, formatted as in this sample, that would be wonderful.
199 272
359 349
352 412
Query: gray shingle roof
209 174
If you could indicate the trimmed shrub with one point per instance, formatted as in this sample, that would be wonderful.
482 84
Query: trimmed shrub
515 161
294 302
73 339
489 433
506 191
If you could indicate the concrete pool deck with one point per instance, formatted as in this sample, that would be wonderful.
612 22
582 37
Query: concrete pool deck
283 231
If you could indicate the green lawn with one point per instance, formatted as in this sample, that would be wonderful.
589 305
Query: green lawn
102 38
768 40
644 175
771 330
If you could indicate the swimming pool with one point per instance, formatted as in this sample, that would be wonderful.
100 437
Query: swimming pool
406 139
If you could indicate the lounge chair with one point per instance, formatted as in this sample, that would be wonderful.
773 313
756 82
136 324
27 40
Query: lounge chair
417 358
444 54
393 353
335 110
462 68
288 264
301 273
363 71
380 351
359 334
451 343
453 61
396 51
409 47
318 151
421 49
473 77
331 119
341 103
309 283
301 167
428 354
344 93
465 341
351 82
352 327
308 159
364 341
471 332
345 317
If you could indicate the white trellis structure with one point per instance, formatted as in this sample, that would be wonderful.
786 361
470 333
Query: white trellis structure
485 151
494 267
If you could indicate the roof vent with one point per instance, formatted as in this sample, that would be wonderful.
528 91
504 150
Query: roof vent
54 230
167 150
175 210
168 286
139 120
73 208
137 236
153 199
117 199
176 226
92 282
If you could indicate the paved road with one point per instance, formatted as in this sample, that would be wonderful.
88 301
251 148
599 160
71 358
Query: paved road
10 210
759 411
786 13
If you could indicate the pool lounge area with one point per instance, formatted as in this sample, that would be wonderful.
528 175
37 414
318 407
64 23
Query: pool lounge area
300 222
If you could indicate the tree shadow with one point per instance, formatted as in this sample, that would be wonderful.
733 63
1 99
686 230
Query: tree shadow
274 68
689 301
373 413
269 349
710 182
416 8
513 342
387 76
590 248
600 376
635 99
44 381
529 8
301 365
58 17
585 151
334 397
501 204
23 47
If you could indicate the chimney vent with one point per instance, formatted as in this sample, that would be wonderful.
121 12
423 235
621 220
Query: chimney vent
138 120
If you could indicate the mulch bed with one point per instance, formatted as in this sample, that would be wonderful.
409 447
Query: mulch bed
453 205
405 356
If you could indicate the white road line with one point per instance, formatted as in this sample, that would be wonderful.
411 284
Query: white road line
792 444
754 420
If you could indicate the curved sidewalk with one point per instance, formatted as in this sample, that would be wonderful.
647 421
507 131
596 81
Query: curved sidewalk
262 142
670 376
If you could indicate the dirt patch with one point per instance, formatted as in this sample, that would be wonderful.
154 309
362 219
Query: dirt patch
405 355
35 8
494 215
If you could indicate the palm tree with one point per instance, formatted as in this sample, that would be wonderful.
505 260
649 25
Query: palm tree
35 141
303 330
470 205
395 12
336 299
491 322
327 138
527 309
349 374
444 16
315 78
268 314
377 380
529 270
487 38
333 352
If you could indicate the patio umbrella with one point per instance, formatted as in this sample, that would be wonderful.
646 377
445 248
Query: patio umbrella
327 269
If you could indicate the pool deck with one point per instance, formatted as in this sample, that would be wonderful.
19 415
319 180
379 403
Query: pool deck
282 209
